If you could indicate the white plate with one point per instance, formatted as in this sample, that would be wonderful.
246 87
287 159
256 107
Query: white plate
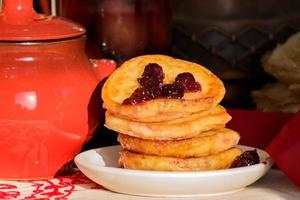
101 166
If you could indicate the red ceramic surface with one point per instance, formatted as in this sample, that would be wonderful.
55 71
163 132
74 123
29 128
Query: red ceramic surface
45 94
285 149
48 102
257 129
19 22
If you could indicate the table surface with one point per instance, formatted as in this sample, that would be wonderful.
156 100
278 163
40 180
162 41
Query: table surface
274 186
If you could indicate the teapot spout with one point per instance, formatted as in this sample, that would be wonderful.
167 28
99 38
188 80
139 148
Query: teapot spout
103 67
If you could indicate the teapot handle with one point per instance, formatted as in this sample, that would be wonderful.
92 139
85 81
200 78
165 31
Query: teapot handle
103 67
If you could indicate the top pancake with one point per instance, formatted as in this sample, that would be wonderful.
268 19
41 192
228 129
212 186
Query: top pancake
123 81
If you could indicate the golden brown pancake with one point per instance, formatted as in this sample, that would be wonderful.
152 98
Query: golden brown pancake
186 127
221 160
123 81
211 142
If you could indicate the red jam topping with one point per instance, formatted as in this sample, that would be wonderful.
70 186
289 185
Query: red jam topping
153 76
187 82
171 91
152 86
246 159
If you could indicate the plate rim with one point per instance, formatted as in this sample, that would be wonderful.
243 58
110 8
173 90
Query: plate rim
264 164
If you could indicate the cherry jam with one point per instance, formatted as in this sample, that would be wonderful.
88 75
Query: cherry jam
246 159
152 86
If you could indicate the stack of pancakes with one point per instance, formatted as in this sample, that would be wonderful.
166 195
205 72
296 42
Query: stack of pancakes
170 134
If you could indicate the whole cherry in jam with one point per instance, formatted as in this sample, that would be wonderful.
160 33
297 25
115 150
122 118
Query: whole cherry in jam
152 86
153 76
246 159
187 82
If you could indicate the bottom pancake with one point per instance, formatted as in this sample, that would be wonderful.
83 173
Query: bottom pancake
221 160
208 143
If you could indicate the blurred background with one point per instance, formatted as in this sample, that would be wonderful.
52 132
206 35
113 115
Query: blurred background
230 37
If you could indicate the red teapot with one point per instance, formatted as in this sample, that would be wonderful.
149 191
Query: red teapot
46 84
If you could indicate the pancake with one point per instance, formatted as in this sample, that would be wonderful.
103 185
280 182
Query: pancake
123 81
186 127
221 160
211 142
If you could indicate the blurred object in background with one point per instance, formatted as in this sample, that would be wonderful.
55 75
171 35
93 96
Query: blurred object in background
43 6
82 12
277 97
284 64
128 28
284 61
121 29
230 37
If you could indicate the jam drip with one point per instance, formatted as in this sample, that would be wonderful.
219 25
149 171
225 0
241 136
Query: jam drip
152 86
246 159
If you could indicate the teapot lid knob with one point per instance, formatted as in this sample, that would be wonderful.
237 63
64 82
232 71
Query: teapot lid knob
18 11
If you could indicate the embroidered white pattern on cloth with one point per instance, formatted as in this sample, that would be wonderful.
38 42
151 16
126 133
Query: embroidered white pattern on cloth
56 188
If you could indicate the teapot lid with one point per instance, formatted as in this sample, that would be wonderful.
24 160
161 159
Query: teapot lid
20 22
